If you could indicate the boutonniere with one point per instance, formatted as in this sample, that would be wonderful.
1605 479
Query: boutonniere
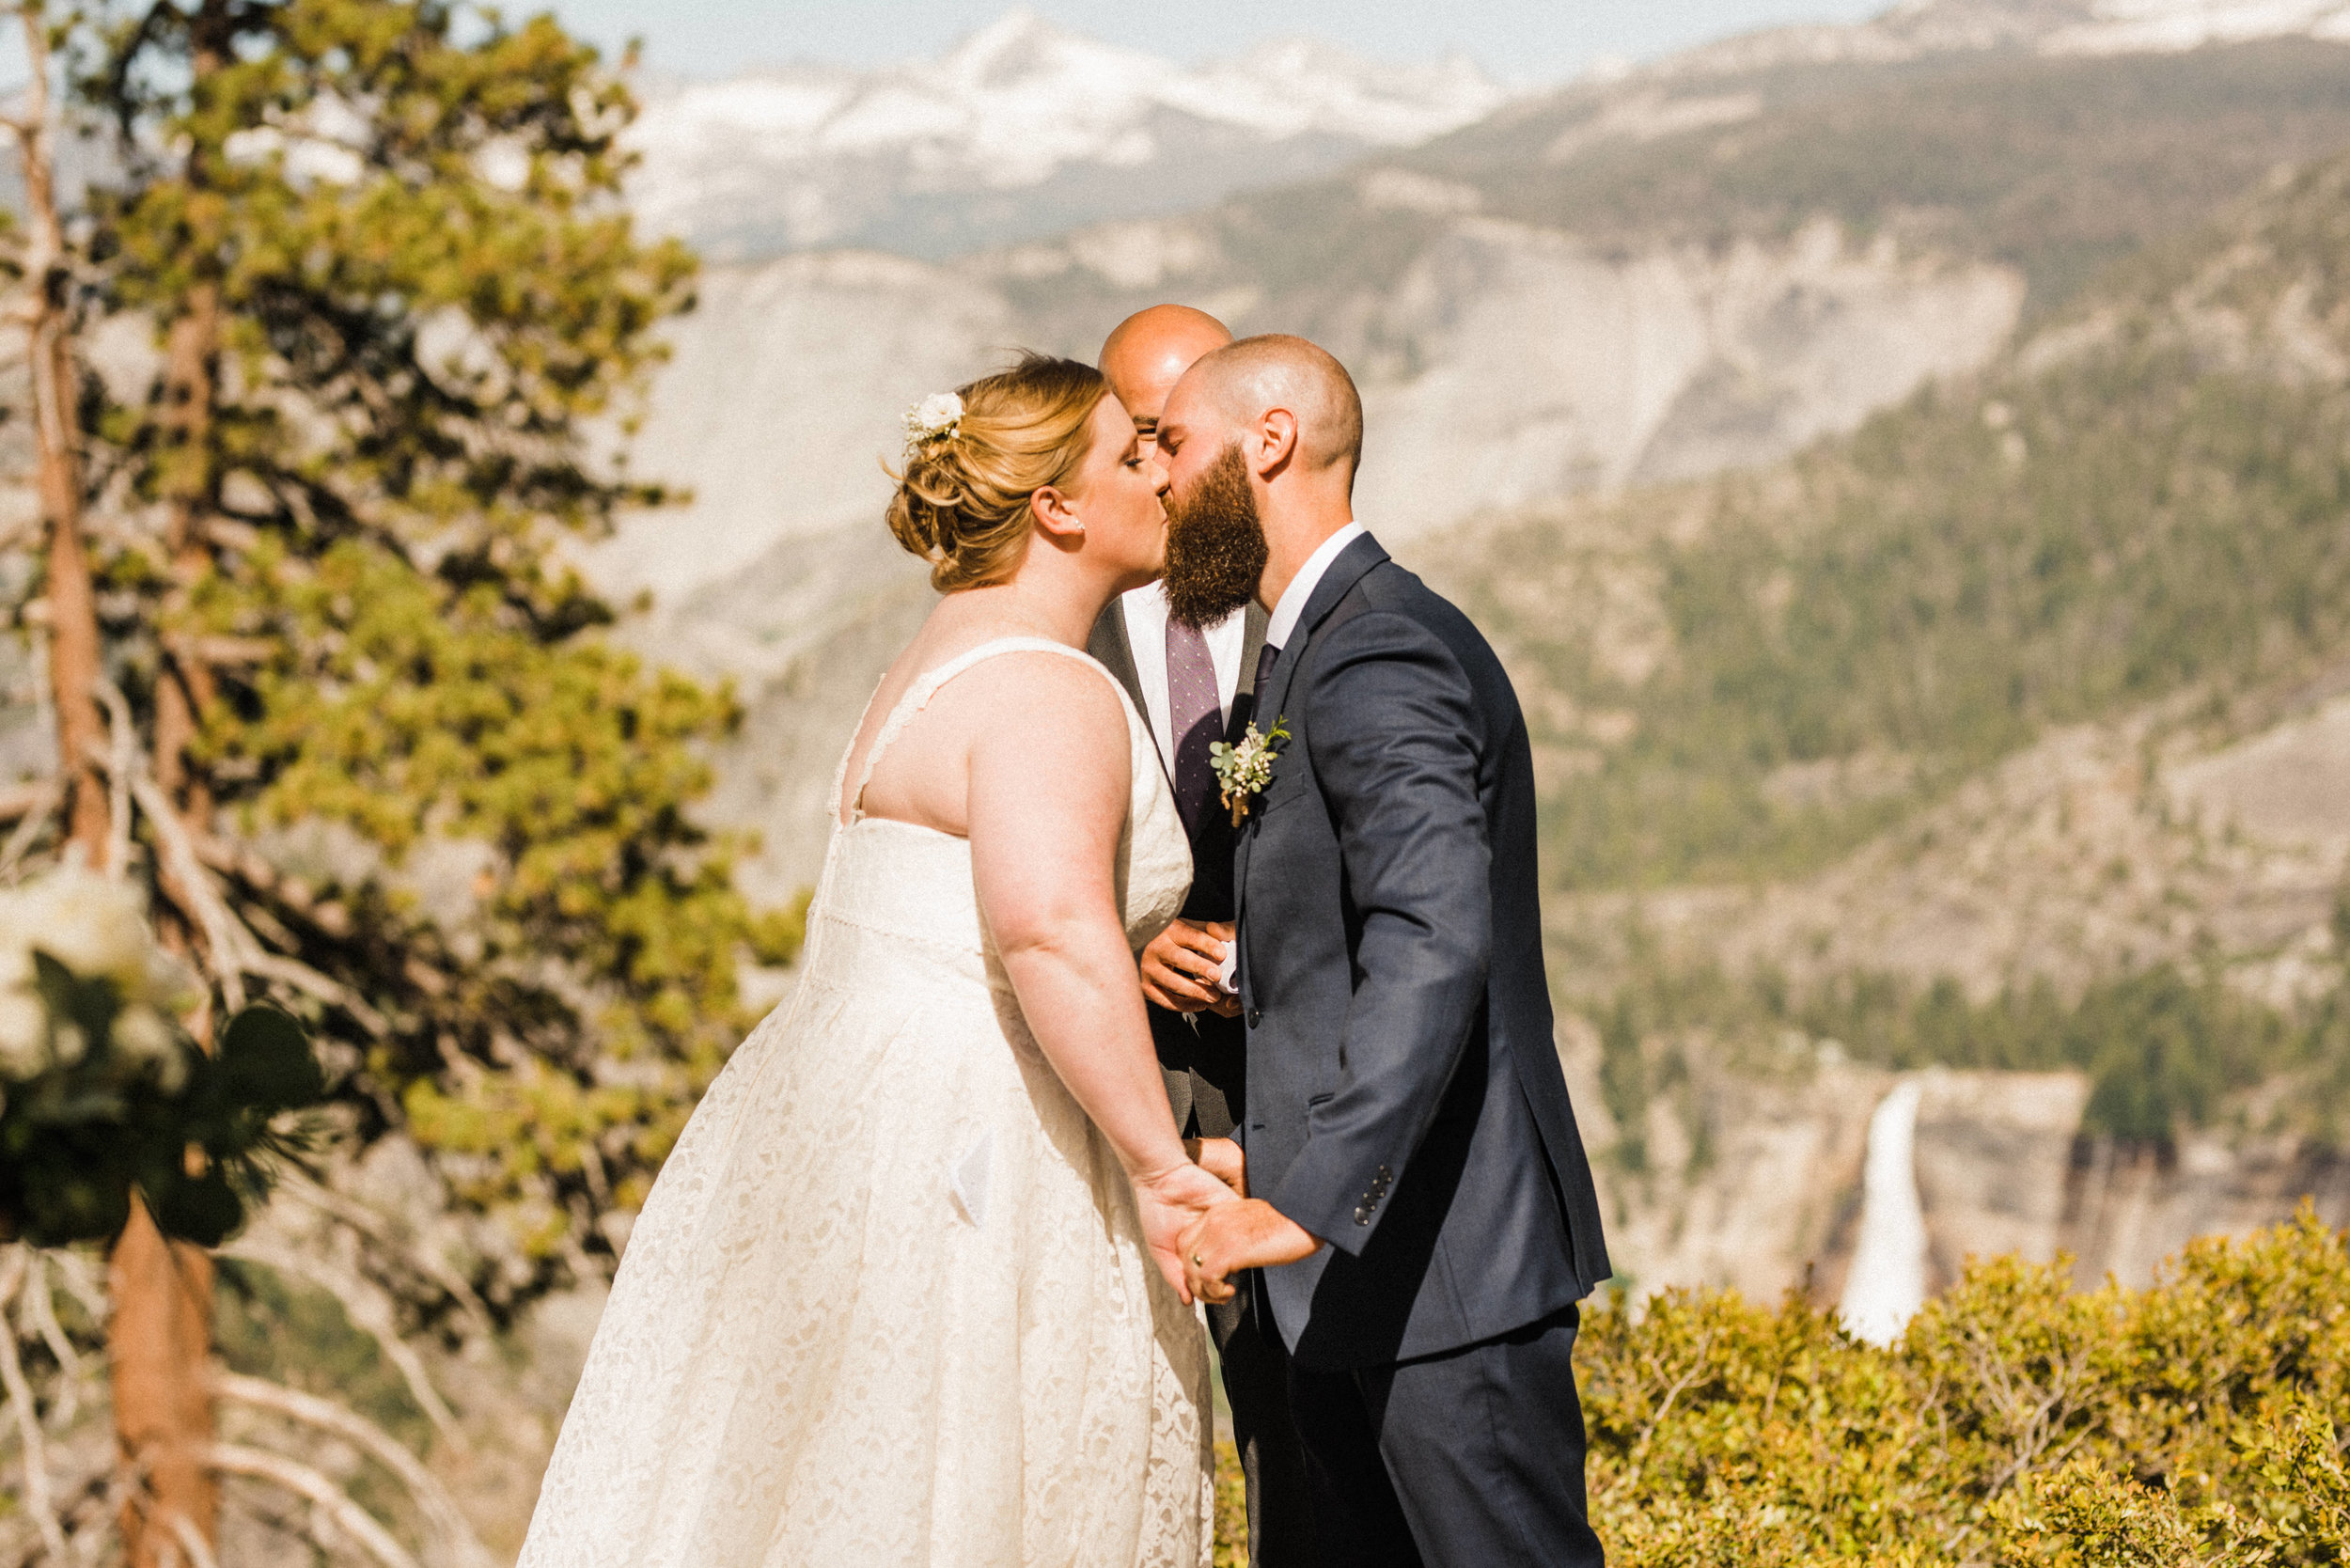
1247 768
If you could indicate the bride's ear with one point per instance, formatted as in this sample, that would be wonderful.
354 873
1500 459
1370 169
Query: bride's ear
1055 518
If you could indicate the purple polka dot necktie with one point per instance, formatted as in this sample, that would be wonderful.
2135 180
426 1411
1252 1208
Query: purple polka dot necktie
1195 717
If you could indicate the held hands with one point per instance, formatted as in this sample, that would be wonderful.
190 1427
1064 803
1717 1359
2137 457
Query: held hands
1231 1237
1171 1204
1180 965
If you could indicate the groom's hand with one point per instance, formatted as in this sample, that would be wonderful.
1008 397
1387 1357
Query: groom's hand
1221 1158
1179 966
1233 1237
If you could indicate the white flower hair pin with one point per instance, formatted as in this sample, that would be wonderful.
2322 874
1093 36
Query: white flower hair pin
936 416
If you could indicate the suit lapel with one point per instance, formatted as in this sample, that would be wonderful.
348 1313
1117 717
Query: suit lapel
1110 648
1353 564
1253 620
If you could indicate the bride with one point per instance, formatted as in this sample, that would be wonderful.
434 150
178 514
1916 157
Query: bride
906 1291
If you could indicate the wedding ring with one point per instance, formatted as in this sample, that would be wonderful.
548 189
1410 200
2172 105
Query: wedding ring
1197 1262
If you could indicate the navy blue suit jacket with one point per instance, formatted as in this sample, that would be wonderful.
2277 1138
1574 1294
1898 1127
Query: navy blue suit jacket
1404 1098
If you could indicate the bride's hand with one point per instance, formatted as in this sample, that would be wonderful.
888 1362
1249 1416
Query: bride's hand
1170 1201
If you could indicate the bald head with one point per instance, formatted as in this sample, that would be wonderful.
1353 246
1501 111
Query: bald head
1150 351
1257 375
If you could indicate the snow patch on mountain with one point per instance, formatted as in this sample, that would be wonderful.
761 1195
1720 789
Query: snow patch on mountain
1917 28
2135 26
937 155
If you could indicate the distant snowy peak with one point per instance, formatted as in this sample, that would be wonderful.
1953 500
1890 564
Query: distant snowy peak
1919 27
816 155
2131 27
1015 100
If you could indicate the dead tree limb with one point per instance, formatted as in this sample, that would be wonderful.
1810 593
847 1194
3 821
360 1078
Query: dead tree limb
439 1509
369 1310
315 1488
37 1497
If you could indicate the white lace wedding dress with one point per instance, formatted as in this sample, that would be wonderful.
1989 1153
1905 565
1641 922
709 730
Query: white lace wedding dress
887 1303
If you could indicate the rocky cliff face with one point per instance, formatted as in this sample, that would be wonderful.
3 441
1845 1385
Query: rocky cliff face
1755 1183
1517 364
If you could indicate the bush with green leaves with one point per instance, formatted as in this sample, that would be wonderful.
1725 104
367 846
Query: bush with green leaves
2016 1421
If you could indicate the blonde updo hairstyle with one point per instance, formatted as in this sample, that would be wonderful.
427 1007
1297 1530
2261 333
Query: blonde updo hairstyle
962 501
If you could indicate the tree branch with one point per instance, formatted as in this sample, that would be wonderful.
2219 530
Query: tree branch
35 817
191 1541
19 1392
193 892
377 1228
119 762
299 1478
35 1304
368 1311
431 1496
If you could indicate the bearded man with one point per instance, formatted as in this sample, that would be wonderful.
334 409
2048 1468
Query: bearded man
1187 677
1423 1221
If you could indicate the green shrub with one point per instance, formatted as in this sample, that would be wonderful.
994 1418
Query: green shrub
2017 1422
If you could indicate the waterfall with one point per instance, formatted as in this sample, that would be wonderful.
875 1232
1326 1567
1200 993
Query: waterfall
1887 1281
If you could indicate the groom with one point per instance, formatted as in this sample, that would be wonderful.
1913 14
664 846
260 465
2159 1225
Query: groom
1192 683
1426 1221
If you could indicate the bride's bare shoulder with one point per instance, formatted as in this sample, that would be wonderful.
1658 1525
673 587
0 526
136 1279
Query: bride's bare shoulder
1038 685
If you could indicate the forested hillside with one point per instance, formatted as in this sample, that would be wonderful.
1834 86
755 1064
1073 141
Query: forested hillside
1745 677
1788 720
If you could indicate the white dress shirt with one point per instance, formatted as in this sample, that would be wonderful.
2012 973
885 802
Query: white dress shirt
1145 609
1291 609
1286 616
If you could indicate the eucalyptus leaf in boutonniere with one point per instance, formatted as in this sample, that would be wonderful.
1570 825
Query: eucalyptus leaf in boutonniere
1244 770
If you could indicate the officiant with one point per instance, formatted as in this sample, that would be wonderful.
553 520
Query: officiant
1193 685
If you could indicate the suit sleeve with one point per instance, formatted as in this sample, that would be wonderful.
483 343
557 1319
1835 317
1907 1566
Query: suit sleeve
1394 724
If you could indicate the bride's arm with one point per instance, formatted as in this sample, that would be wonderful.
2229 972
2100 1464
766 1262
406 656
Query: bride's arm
1047 803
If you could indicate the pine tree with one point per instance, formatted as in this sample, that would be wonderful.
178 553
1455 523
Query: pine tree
399 318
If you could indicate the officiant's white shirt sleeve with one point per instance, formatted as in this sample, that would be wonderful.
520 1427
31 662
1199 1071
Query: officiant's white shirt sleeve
1145 609
1291 609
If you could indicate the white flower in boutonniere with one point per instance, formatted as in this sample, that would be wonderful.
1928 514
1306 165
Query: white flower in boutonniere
1245 769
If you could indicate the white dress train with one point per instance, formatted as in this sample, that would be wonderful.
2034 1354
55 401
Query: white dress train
888 1303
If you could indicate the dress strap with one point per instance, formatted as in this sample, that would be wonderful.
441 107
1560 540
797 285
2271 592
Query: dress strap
926 684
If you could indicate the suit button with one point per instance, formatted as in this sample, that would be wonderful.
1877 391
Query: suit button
1255 1017
1362 1215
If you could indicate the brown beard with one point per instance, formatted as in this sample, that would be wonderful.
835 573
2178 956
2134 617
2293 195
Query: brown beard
1215 544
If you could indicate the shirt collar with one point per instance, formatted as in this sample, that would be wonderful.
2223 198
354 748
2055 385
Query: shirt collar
1291 609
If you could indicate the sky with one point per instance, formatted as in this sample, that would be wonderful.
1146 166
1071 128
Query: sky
1524 42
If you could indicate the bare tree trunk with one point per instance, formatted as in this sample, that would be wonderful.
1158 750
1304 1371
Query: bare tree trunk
73 649
160 1343
160 1337
165 1423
